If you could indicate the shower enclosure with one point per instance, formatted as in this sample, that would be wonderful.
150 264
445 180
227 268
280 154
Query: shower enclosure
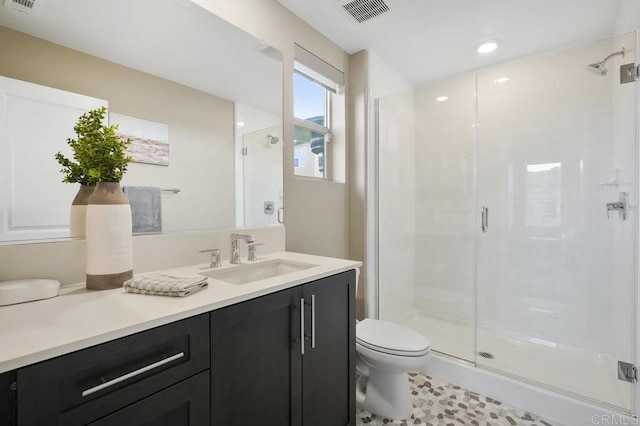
507 211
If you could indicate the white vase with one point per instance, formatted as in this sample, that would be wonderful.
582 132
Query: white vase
78 213
109 241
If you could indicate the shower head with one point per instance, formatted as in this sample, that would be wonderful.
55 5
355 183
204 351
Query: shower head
272 139
600 68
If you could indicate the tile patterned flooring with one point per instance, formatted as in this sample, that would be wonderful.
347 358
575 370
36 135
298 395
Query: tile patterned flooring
440 403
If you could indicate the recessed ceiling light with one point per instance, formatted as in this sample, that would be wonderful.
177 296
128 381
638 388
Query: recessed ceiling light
501 80
240 124
441 98
487 46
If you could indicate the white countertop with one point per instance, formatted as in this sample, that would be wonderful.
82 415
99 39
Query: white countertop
78 318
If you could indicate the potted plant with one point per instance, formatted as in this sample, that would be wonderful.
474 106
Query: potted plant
102 160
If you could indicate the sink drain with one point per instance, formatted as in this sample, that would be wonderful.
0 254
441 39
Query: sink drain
486 355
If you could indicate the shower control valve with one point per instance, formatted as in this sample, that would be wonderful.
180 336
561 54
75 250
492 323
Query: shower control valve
619 206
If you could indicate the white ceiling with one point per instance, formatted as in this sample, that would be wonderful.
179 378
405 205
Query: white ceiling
172 39
429 39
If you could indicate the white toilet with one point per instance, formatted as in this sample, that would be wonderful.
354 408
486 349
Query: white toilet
386 352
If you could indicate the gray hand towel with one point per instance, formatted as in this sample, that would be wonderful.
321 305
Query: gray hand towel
146 208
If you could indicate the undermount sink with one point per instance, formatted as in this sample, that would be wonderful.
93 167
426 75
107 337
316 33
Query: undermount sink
250 272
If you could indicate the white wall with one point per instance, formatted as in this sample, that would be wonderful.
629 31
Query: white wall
628 17
382 80
397 212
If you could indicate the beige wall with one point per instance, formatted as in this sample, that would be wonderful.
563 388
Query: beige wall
65 262
359 95
316 211
200 124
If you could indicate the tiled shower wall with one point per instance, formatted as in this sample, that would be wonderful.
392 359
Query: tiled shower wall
396 198
445 199
551 267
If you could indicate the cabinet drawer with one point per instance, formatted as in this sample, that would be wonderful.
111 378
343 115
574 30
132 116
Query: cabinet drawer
91 383
183 404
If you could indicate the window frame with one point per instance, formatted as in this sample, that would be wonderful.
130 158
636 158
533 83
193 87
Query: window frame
317 128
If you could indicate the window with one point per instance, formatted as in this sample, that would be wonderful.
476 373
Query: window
300 157
316 90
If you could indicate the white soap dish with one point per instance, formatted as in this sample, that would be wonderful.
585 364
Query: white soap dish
20 291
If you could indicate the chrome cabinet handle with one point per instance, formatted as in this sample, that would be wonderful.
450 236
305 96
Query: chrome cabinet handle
485 219
313 321
302 326
132 374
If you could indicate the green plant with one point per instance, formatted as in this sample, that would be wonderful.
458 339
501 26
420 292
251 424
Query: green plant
99 153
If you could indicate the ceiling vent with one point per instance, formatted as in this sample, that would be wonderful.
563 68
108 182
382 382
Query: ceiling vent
364 10
28 7
269 51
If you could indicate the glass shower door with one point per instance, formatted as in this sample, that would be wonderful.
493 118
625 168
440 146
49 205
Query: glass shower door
427 213
555 275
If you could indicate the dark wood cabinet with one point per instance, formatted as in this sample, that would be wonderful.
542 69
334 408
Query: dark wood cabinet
259 372
286 358
8 399
254 365
328 364
84 386
183 404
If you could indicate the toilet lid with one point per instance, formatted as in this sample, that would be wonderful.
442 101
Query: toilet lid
390 337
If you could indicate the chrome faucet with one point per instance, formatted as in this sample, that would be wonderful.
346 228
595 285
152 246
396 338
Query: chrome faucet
235 254
215 257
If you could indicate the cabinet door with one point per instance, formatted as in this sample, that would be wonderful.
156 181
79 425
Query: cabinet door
255 362
328 363
7 399
183 404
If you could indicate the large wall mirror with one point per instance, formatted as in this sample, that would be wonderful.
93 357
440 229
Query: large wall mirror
201 98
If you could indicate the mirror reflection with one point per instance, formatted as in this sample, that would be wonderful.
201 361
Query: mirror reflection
201 99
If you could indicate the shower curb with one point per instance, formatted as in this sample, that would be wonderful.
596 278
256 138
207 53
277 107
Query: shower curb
560 409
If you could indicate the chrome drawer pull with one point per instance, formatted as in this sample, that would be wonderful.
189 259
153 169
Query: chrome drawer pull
132 374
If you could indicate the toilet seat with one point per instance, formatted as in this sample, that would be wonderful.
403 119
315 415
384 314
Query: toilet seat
389 338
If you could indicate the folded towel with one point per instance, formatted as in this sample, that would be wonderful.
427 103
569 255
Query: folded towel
165 285
146 208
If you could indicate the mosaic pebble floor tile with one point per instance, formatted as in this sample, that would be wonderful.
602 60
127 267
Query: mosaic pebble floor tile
440 403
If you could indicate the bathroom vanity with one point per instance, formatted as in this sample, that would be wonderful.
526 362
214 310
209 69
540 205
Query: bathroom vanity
278 350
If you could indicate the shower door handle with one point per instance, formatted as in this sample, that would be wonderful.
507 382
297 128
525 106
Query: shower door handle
485 219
